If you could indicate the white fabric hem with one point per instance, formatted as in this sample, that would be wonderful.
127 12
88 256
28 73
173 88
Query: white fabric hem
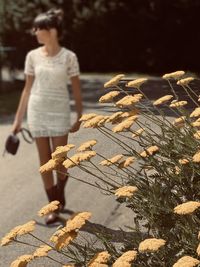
36 134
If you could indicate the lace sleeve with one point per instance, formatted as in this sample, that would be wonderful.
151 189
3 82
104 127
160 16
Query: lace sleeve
73 69
29 67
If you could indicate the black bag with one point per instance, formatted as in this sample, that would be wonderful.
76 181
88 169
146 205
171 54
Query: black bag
12 141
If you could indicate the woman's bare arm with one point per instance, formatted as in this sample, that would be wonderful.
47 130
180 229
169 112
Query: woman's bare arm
76 90
22 104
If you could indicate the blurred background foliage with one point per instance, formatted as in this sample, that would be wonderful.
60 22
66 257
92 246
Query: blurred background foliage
117 35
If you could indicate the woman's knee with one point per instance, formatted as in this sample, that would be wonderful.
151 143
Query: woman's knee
59 141
44 149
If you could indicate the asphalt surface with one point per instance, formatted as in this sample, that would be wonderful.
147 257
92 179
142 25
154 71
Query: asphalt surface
22 193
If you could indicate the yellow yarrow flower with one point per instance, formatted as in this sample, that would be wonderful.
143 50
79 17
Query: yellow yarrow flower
119 116
196 123
42 251
103 121
196 157
77 221
78 158
174 75
151 245
138 133
9 237
127 162
111 161
195 113
88 116
72 162
129 100
126 191
186 261
99 258
125 124
52 206
26 228
22 261
52 164
149 151
18 231
114 81
179 122
177 170
93 123
198 250
198 119
63 239
162 100
185 81
61 151
87 155
187 207
55 236
114 117
183 161
177 104
130 113
197 135
87 145
125 259
108 97
136 83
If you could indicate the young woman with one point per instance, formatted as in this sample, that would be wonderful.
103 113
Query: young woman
45 95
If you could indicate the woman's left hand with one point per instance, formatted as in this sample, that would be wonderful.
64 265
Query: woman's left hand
75 127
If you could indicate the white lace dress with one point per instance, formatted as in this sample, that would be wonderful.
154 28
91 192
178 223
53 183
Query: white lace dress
48 112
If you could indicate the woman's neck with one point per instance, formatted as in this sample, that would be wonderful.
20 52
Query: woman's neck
51 49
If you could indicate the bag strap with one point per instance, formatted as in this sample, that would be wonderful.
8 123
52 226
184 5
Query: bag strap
30 139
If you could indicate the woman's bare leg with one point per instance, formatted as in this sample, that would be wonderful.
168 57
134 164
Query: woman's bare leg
62 175
44 151
60 141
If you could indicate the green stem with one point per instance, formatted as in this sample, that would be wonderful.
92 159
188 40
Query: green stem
121 90
55 260
25 243
192 91
89 172
114 165
109 173
42 241
114 138
104 173
193 100
176 96
75 178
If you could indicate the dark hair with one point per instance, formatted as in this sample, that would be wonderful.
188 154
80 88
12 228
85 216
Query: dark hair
49 20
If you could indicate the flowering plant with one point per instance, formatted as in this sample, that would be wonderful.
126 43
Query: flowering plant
156 175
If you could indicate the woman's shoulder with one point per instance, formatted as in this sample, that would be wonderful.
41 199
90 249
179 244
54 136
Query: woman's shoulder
34 52
69 52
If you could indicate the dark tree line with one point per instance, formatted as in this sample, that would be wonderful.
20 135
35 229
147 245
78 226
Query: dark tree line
152 36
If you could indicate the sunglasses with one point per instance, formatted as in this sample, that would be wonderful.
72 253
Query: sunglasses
35 29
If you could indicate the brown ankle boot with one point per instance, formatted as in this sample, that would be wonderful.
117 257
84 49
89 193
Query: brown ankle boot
61 191
52 195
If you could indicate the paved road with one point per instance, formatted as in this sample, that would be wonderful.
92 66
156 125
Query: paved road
22 194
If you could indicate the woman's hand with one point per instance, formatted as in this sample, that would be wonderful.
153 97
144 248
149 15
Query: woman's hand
16 127
75 127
